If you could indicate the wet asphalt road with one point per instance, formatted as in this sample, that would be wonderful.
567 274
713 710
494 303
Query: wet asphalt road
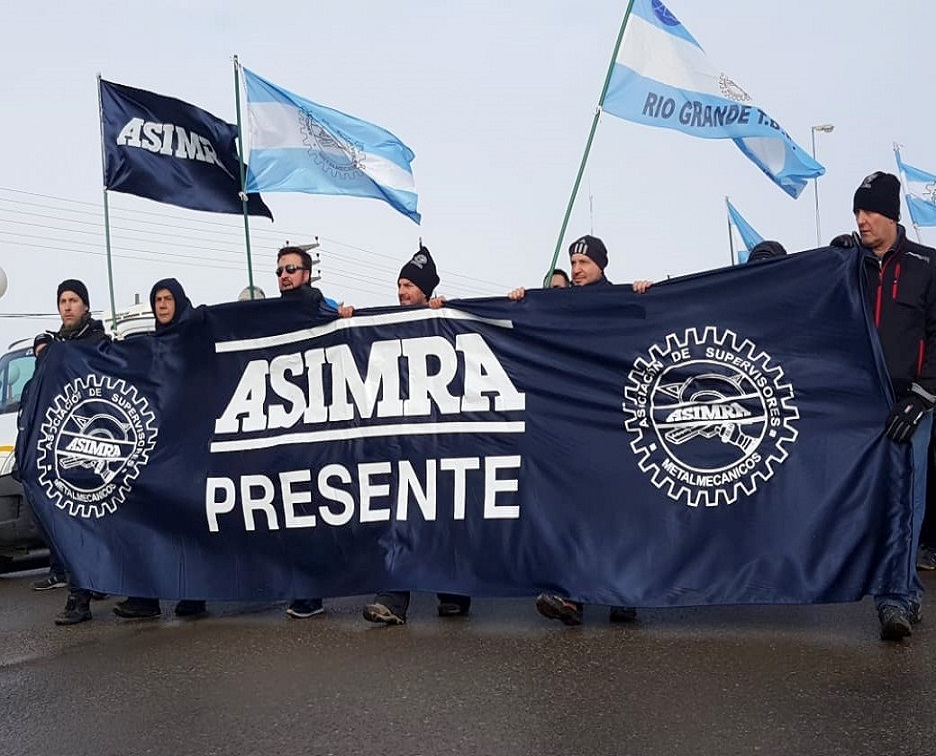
245 680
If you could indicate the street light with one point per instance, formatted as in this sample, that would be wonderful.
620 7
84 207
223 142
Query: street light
825 128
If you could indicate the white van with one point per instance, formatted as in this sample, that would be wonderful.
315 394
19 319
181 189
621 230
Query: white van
19 535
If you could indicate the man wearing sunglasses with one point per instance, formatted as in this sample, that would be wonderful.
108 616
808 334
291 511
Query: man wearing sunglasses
293 275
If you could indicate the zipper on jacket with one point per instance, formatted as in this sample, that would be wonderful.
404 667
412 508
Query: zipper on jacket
896 279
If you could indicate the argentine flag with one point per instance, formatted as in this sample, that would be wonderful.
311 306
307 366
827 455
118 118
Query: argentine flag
921 193
662 77
297 145
749 236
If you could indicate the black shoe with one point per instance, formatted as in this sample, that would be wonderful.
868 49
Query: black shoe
49 582
622 614
383 615
305 608
895 623
138 608
76 610
190 608
454 608
565 610
98 596
915 615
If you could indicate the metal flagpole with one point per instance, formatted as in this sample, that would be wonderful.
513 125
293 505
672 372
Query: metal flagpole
588 144
903 186
730 236
243 176
107 239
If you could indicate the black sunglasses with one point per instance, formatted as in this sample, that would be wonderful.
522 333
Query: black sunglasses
289 269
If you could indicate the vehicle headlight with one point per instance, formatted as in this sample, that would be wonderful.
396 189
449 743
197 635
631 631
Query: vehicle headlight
6 461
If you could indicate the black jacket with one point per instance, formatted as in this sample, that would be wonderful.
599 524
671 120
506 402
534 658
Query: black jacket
901 291
91 330
306 293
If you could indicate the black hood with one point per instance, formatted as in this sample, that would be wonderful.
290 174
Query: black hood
183 307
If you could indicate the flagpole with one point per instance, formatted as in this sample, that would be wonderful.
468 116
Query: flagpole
243 175
730 237
107 238
588 144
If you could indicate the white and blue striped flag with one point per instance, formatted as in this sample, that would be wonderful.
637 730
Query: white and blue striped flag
297 145
662 77
920 193
749 236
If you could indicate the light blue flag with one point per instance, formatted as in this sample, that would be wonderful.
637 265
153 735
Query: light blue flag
297 145
662 77
749 236
921 193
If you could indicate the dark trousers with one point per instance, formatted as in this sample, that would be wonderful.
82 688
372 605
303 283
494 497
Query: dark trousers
928 532
56 564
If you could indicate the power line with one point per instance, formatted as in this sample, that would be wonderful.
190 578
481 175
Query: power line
209 225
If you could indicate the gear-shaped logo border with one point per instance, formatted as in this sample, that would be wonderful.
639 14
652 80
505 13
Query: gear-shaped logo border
319 137
644 446
61 411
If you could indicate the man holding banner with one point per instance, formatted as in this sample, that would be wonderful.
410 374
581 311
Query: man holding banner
901 287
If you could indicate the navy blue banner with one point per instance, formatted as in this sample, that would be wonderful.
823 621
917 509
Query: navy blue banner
717 440
166 150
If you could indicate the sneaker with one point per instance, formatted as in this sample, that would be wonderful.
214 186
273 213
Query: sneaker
622 614
76 610
895 623
926 558
190 608
568 612
915 615
305 608
49 582
138 608
383 615
454 608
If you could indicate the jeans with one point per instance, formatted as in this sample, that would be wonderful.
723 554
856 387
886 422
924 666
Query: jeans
919 446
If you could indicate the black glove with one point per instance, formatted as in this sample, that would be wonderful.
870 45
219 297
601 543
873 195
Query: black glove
844 241
907 413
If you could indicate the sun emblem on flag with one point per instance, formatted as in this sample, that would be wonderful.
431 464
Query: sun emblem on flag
332 151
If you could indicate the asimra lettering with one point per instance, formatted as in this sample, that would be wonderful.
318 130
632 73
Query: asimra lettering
402 378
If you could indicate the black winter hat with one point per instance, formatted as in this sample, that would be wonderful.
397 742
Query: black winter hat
590 246
879 193
421 270
75 286
765 250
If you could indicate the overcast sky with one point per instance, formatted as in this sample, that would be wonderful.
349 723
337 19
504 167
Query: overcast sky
495 98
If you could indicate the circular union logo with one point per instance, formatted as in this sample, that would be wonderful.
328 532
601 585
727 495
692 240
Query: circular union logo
732 90
710 415
95 438
332 151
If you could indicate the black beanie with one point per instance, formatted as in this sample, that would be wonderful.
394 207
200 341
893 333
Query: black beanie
593 247
421 270
765 250
76 286
879 193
